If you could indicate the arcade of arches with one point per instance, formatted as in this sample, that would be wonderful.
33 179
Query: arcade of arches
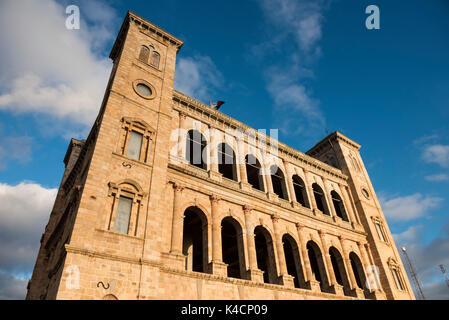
278 258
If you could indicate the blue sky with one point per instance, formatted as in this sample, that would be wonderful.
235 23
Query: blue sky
303 67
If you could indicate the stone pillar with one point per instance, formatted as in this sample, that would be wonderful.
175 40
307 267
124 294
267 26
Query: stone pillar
337 288
241 164
213 155
268 183
347 204
254 273
375 289
181 136
176 255
313 284
328 198
289 182
216 266
352 281
309 189
284 277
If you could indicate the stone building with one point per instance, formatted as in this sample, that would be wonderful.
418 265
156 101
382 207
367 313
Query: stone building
139 215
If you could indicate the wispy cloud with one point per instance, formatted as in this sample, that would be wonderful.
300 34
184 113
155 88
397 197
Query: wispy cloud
437 153
410 207
15 148
198 77
296 27
437 177
61 73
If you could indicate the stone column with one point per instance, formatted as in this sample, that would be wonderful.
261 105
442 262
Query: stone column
254 273
328 198
289 182
375 288
213 155
181 147
284 277
309 189
349 271
268 183
347 204
337 288
176 255
241 164
313 284
216 266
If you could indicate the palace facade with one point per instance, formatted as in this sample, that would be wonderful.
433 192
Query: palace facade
168 198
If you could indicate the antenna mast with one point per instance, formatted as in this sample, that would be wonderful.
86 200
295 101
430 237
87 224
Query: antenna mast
414 275
444 274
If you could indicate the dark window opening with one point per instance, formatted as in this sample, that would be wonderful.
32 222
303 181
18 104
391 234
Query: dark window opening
144 54
278 181
357 269
338 205
253 172
226 161
265 255
300 191
317 264
232 247
195 240
320 199
293 261
195 151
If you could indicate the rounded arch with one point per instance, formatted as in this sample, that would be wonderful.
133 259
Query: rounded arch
195 239
265 254
339 206
320 199
339 269
293 260
357 269
155 58
232 247
300 191
196 149
254 172
131 183
144 53
317 264
227 161
110 297
278 182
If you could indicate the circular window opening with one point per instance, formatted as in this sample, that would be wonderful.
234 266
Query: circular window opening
365 193
144 90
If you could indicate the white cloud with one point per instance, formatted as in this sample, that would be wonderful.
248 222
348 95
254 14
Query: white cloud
409 207
437 153
438 177
47 68
197 77
410 235
15 148
12 287
24 211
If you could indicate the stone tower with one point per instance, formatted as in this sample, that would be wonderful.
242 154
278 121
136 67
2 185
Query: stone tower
139 216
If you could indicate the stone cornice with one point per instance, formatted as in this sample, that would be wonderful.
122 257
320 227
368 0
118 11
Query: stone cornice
324 145
218 119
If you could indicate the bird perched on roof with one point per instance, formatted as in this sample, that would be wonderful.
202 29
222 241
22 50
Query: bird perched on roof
216 105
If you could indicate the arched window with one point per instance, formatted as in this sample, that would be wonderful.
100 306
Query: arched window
194 241
320 199
232 247
253 172
338 205
339 270
357 269
226 161
144 54
317 264
293 261
155 58
195 151
135 139
265 255
300 191
278 181
394 267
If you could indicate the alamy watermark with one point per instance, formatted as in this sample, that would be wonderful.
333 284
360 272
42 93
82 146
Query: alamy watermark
72 22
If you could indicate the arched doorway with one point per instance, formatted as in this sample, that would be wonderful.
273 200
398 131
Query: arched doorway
195 151
265 255
232 247
227 162
317 265
339 270
194 244
278 182
300 191
357 269
293 261
253 173
320 199
338 205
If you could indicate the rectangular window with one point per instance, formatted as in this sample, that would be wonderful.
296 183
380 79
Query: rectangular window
123 214
135 145
397 280
380 232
